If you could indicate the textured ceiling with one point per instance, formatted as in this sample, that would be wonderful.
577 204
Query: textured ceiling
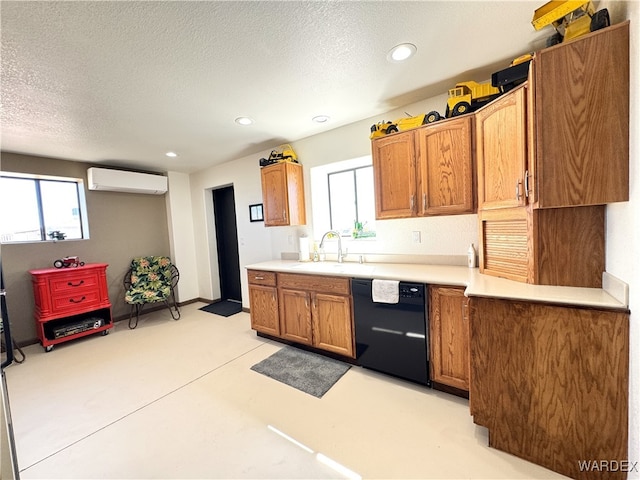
124 82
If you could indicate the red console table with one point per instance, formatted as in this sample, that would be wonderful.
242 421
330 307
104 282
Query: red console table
71 303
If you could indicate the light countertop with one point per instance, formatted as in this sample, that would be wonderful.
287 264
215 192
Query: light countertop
477 284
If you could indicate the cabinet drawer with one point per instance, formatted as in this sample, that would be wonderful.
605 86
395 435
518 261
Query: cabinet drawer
73 284
315 283
76 300
259 277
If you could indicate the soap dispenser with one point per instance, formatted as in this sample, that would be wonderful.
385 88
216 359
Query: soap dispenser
471 257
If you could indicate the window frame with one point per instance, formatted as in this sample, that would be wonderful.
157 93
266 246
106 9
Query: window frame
355 191
80 197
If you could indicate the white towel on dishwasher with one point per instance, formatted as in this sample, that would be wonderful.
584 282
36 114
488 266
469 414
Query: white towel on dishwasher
385 291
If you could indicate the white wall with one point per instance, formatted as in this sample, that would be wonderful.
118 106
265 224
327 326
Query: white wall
623 225
181 234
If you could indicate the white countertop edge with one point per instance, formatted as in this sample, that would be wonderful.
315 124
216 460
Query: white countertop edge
477 284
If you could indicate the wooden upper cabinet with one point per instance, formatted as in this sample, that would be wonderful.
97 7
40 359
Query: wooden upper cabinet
425 171
562 140
394 175
501 151
445 167
283 194
581 115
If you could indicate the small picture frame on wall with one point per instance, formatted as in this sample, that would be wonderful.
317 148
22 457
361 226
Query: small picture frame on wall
255 213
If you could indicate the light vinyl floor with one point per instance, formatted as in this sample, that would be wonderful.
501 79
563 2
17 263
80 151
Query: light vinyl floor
177 400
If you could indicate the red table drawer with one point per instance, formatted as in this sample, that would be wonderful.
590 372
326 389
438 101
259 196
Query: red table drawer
72 285
75 300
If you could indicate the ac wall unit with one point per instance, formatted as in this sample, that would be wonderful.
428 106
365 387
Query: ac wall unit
123 181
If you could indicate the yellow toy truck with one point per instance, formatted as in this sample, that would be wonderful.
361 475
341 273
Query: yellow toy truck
466 97
384 128
570 19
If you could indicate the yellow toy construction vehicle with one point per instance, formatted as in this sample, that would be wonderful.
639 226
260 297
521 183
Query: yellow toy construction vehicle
466 97
384 128
570 19
284 153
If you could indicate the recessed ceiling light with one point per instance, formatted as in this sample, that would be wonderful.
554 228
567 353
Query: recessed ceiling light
401 52
244 121
171 154
321 118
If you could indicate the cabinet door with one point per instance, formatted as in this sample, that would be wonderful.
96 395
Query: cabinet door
295 316
264 309
582 120
501 151
507 243
445 168
394 175
332 325
274 195
449 334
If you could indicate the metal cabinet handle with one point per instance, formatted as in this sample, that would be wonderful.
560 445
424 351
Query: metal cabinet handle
424 201
526 183
518 194
71 284
413 201
258 278
77 301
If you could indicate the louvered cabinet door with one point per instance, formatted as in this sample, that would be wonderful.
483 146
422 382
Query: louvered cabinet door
505 248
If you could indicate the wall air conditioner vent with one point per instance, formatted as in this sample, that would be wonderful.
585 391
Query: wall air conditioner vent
122 181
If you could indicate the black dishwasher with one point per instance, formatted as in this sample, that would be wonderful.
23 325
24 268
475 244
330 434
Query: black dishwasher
392 337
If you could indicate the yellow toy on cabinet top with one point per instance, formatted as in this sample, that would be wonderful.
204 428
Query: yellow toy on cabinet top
570 19
284 153
383 128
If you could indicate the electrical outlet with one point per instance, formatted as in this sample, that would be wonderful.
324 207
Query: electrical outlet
290 239
416 237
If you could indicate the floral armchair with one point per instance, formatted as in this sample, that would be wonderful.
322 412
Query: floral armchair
151 280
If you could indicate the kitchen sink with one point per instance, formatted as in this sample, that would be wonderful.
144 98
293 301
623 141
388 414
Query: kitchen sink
347 268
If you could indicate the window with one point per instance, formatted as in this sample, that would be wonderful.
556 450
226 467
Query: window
351 202
36 208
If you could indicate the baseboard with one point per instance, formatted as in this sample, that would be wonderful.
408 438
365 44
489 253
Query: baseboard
196 300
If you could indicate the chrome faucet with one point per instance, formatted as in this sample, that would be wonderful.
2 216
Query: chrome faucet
337 234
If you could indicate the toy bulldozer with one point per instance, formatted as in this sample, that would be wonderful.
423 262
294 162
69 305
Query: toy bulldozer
570 19
284 153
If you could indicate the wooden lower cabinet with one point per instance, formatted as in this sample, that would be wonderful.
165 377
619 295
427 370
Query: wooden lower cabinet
316 311
550 383
295 315
331 325
306 309
263 298
449 337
